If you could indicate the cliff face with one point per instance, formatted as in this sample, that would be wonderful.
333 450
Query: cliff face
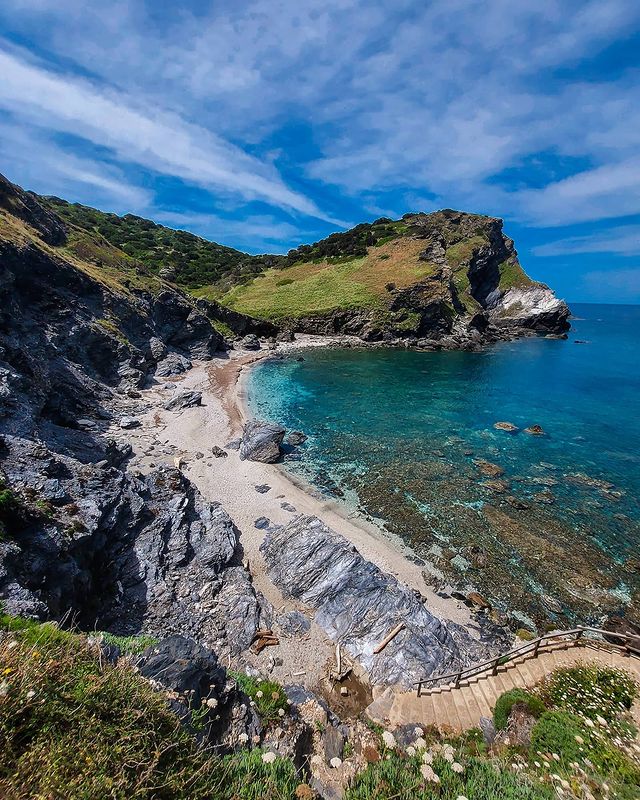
81 329
444 279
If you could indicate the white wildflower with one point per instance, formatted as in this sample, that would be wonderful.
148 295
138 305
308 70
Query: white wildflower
389 740
212 702
259 693
420 743
411 751
243 738
269 757
457 767
601 720
281 712
427 757
579 739
335 762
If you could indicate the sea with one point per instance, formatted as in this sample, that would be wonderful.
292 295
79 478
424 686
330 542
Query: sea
546 526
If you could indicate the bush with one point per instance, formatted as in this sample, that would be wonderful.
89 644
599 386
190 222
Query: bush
591 690
128 645
507 700
268 696
559 732
568 737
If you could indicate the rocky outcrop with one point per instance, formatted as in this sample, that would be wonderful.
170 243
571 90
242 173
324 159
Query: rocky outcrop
475 291
359 606
198 683
261 441
109 548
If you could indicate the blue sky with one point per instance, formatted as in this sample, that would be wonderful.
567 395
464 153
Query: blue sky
270 123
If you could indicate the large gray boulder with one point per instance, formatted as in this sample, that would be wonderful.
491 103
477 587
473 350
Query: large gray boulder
250 342
358 605
187 398
261 441
172 364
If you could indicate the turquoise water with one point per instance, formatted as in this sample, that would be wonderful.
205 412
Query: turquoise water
402 433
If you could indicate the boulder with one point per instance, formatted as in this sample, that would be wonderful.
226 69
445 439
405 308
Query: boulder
250 342
172 364
187 398
195 678
129 422
218 452
261 441
296 437
534 430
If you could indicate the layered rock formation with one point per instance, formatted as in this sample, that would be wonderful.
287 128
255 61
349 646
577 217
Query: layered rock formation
358 606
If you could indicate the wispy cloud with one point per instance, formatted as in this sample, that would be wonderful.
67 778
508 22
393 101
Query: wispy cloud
148 136
623 241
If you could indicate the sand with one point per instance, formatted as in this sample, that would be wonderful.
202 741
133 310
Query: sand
191 434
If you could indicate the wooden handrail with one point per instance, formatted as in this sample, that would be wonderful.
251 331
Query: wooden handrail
535 645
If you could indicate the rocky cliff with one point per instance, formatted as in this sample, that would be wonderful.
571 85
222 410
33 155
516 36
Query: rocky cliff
447 279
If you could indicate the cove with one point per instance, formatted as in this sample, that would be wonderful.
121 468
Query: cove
547 527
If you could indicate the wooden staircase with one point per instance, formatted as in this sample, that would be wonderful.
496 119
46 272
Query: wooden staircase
459 709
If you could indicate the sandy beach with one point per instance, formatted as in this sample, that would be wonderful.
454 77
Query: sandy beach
190 435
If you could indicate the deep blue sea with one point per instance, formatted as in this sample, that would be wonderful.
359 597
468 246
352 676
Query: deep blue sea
403 436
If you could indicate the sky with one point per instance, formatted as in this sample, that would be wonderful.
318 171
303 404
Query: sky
265 124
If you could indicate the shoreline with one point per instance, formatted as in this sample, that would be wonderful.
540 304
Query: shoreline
189 436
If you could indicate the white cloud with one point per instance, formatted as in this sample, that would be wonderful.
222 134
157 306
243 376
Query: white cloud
432 99
622 241
160 141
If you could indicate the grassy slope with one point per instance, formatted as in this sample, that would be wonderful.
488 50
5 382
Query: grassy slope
320 287
73 726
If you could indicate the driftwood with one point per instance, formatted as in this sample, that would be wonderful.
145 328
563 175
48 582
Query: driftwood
262 639
391 635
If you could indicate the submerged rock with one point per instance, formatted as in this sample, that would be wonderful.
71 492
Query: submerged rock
509 427
535 430
261 441
359 605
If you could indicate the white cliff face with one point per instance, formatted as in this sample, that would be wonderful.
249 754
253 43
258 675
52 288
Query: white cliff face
535 305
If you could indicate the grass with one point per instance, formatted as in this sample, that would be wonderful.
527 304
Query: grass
269 697
400 777
513 276
74 727
309 288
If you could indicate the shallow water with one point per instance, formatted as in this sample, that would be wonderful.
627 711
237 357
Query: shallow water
401 433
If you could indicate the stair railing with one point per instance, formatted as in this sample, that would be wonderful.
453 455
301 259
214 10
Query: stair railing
629 644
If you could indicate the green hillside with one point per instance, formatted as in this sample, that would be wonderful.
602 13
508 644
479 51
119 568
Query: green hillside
186 259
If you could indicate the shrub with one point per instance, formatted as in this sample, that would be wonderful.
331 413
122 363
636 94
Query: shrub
559 732
591 690
507 700
284 281
268 696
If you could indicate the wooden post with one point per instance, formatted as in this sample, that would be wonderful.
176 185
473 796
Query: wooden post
458 680
536 647
495 666
578 637
419 688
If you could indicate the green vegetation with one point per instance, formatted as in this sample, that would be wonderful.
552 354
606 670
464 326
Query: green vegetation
507 700
11 509
319 287
190 260
512 275
591 690
74 727
269 697
350 244
411 778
